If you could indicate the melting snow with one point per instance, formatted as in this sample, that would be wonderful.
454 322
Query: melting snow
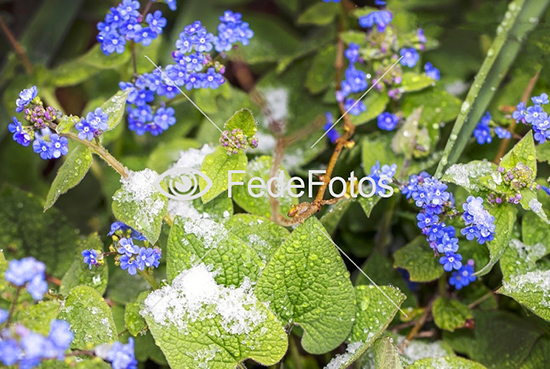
537 281
195 296
462 173
417 350
138 188
341 360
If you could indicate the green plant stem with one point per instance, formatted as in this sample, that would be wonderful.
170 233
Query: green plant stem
519 20
148 276
16 46
102 152
13 305
294 353
381 237
442 284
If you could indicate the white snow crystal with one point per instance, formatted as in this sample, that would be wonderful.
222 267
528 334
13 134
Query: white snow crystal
193 158
417 349
195 296
277 102
138 188
462 173
339 361
535 205
206 230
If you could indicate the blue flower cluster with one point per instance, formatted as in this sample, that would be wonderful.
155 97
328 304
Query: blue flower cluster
332 133
47 144
125 23
464 276
387 121
26 349
30 273
432 71
479 222
130 257
377 172
93 125
432 197
410 56
380 19
355 82
535 116
482 132
119 355
193 68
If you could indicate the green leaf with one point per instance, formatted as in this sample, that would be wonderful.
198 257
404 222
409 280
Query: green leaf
437 105
376 150
385 354
132 317
139 204
306 283
261 168
543 152
38 317
194 241
451 362
410 136
450 314
90 318
70 174
523 152
79 274
4 265
419 260
217 166
67 123
540 355
376 104
529 201
534 230
352 36
518 21
469 175
505 217
25 230
530 289
115 108
321 74
244 120
368 203
374 313
95 58
261 234
415 82
213 326
71 73
319 14
497 338
335 213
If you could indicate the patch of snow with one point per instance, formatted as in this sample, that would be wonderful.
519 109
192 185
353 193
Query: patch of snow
193 158
340 361
462 173
417 349
195 296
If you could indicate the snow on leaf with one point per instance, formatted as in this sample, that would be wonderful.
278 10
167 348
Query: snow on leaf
306 283
194 240
451 362
383 354
139 204
90 318
468 175
115 108
201 324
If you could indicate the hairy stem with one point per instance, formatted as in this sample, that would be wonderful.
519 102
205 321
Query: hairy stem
414 331
102 152
13 305
148 276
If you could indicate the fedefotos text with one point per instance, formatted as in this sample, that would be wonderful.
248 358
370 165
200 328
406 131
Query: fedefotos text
279 186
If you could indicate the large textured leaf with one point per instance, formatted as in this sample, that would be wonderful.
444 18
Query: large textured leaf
79 274
531 290
306 283
198 323
384 355
90 318
248 199
139 204
418 259
26 231
468 175
217 166
374 313
192 241
261 234
38 317
70 174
